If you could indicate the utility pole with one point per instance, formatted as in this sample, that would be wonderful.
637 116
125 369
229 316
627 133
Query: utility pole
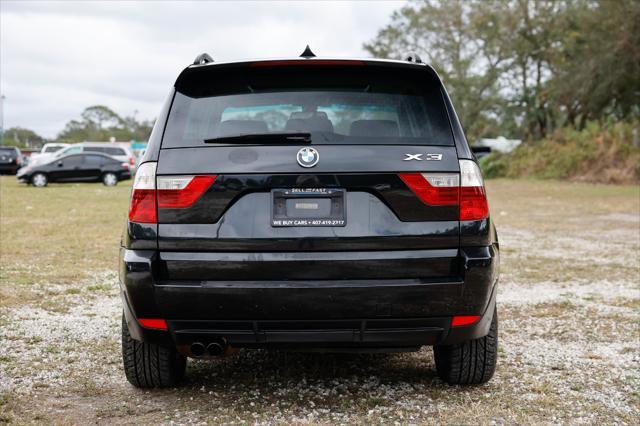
2 97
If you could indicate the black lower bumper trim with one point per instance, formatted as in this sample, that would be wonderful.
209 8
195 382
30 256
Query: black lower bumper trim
364 332
357 313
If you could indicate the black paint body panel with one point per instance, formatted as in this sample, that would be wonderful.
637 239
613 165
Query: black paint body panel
287 266
149 290
390 279
280 159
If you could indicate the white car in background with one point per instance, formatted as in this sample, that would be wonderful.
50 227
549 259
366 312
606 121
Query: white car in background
120 152
47 152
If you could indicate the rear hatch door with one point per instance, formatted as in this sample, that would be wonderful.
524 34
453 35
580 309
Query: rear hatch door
308 172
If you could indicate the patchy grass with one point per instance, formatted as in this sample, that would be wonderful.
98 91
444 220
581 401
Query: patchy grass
569 307
59 235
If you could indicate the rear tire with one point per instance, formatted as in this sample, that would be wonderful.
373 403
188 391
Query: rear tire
39 180
471 362
109 179
147 365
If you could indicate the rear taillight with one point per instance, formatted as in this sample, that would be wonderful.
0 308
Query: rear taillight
169 192
132 161
435 189
450 189
143 196
462 320
176 192
125 166
473 199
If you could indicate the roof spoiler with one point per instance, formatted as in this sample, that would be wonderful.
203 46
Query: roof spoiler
205 58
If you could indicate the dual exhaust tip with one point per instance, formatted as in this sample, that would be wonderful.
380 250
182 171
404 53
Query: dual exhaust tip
215 348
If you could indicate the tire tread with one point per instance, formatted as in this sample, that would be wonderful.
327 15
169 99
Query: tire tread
147 365
470 362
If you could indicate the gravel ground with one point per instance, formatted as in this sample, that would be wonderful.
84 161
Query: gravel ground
569 341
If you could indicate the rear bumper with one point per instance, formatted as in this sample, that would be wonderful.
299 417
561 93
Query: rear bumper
331 314
9 168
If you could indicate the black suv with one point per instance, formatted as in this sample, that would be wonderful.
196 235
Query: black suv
308 204
10 159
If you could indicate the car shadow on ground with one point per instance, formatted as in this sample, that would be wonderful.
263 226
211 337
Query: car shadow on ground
266 369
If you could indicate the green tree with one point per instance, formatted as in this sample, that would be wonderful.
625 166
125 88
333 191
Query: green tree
597 72
100 115
525 67
100 123
464 41
23 138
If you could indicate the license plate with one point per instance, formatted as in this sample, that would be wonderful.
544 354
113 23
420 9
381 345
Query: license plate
308 207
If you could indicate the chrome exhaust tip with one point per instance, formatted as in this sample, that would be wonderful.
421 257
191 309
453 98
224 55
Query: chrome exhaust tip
214 349
197 349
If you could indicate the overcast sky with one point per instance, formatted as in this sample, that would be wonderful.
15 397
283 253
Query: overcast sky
56 58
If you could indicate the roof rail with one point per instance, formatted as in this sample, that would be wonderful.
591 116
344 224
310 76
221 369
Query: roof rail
203 58
413 57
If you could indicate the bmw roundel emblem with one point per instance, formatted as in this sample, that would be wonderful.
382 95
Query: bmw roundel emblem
308 157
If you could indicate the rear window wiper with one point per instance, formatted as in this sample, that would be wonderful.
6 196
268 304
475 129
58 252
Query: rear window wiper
264 138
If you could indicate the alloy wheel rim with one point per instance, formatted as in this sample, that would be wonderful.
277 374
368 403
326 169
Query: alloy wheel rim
110 179
39 180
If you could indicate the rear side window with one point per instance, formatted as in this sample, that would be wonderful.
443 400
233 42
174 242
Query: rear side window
114 151
69 150
362 109
72 161
94 149
106 150
94 160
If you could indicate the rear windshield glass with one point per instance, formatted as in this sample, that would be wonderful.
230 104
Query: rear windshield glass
361 114
94 160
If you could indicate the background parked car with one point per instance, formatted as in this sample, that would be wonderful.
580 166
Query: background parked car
480 151
10 159
47 152
119 152
94 167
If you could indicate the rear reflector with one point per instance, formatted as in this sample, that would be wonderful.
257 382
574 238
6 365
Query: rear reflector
460 320
435 189
177 192
153 323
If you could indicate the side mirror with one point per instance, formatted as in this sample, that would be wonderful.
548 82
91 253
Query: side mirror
480 151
